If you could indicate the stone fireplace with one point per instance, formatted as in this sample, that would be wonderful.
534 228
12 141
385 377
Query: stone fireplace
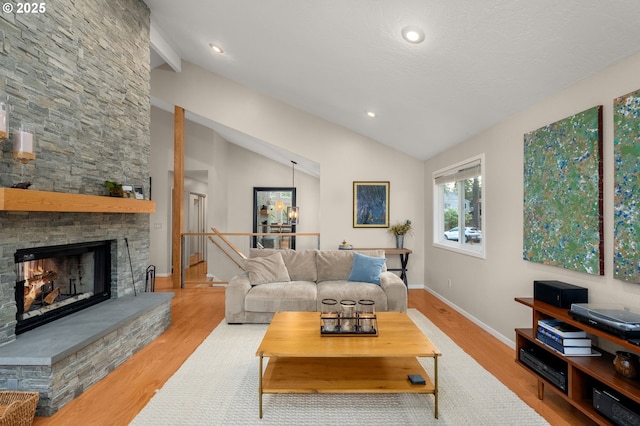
90 113
79 74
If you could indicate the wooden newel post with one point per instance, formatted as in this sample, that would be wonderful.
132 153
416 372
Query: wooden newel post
178 196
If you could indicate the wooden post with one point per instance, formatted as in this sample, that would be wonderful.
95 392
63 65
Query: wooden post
178 195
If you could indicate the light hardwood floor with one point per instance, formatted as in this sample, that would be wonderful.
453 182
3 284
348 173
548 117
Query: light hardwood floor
117 399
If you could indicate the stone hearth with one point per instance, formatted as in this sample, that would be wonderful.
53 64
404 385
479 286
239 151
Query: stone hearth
63 358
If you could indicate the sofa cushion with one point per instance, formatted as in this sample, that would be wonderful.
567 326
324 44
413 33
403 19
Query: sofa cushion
267 269
336 264
282 296
351 290
301 264
366 268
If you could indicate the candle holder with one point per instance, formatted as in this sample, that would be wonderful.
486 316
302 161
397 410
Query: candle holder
347 316
348 319
23 139
366 316
329 315
4 119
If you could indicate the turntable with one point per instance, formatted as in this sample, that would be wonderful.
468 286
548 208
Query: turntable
616 319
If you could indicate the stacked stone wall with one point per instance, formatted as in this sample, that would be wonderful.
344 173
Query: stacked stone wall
78 74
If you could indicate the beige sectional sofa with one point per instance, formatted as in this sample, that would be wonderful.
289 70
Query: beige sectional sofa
290 280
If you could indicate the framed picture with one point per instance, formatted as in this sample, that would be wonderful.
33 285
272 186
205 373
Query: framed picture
370 204
138 192
127 191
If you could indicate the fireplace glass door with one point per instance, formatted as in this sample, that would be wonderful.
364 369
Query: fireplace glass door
52 282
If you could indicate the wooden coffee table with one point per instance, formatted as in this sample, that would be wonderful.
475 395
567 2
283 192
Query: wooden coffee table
303 361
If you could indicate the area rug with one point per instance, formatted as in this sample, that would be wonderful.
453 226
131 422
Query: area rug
218 385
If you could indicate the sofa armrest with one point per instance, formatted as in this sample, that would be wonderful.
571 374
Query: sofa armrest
234 296
395 290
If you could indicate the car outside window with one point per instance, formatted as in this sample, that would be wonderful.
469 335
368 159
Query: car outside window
458 205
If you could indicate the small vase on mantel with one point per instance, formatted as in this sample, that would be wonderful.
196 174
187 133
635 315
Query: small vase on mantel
399 241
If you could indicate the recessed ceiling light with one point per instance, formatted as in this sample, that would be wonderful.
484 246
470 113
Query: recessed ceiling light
413 34
371 114
216 48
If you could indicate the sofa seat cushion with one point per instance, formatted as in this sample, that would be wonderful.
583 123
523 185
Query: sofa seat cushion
282 296
351 290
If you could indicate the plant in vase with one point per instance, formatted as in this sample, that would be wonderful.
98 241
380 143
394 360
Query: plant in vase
400 230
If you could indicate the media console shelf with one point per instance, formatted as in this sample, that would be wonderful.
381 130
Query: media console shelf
583 373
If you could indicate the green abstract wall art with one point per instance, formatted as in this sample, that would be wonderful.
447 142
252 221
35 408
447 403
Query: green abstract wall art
626 153
563 194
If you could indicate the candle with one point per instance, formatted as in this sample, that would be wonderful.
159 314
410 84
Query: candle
23 146
330 321
366 322
3 123
347 315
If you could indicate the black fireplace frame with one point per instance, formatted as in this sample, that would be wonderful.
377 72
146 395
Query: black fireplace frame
102 272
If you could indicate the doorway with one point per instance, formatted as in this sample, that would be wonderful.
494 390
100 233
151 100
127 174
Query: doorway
197 223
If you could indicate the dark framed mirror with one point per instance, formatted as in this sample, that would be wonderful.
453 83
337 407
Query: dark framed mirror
270 216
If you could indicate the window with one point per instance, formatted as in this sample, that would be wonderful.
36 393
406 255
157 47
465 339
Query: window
458 205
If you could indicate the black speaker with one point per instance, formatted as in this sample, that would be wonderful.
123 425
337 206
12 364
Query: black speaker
559 294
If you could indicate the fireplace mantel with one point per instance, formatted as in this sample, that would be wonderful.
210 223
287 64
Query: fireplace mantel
27 200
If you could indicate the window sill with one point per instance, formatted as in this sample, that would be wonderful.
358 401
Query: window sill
479 253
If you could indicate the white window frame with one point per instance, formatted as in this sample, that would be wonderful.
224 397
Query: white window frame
458 170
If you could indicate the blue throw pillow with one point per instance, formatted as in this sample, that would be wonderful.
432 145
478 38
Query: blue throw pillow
366 268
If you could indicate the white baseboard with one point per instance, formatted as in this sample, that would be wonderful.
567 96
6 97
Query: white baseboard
474 320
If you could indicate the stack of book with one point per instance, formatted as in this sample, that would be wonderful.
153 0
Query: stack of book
564 338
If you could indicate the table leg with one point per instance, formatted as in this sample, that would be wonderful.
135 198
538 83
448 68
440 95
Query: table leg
260 388
540 390
404 259
435 383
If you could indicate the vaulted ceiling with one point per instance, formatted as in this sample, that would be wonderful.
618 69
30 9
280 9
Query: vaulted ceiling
480 62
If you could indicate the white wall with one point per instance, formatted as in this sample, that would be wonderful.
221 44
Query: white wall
248 170
205 154
231 172
343 156
485 289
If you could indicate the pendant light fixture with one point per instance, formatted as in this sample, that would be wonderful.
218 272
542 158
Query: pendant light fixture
293 213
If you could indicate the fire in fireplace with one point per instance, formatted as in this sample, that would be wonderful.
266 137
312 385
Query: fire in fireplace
56 281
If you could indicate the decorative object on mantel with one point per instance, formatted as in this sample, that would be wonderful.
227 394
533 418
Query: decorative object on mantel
21 185
114 189
4 118
345 245
401 229
138 192
23 149
127 191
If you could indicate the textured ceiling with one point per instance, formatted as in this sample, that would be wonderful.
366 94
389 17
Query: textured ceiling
481 62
